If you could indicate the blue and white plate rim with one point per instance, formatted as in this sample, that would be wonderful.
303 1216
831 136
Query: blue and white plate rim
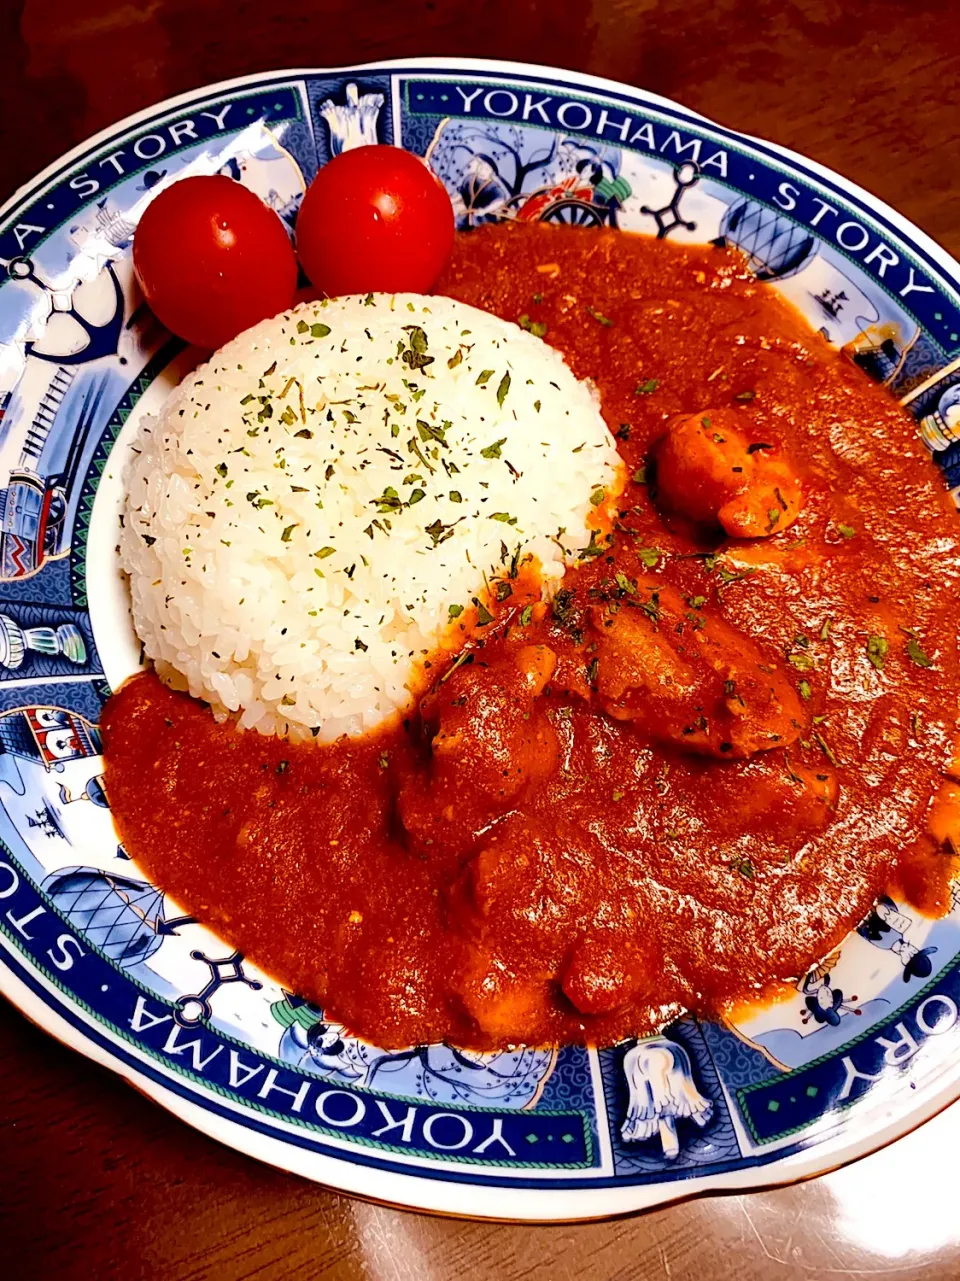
288 1148
534 73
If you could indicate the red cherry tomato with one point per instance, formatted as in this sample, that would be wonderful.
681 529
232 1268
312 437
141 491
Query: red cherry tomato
375 219
213 260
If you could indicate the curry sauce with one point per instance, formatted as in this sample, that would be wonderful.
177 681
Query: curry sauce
680 782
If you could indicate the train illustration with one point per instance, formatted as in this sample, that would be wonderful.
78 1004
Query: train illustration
48 736
45 425
33 512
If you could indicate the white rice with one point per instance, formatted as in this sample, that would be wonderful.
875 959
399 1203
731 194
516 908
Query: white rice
310 504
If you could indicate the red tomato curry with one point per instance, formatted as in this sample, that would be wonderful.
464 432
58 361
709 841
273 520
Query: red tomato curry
681 782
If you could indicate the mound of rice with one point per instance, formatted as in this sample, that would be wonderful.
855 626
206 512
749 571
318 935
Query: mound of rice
311 503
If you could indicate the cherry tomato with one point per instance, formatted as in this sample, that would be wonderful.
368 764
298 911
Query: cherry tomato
213 260
375 219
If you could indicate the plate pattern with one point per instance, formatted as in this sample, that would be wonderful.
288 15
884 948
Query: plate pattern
149 988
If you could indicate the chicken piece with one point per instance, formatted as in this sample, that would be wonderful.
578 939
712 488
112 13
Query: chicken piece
712 470
502 1005
772 792
603 975
536 664
489 739
689 678
503 876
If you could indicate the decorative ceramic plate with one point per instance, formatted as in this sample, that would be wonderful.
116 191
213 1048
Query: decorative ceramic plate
93 952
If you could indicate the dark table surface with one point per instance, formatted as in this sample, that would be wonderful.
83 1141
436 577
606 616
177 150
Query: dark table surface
96 1182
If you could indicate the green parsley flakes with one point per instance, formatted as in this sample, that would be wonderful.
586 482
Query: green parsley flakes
802 662
535 327
877 647
484 617
600 318
915 653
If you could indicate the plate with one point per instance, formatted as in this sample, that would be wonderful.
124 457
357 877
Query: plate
106 962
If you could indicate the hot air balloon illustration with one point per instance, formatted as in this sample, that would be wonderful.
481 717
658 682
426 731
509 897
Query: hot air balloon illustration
776 247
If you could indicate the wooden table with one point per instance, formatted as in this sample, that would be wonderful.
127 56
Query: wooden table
96 1182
